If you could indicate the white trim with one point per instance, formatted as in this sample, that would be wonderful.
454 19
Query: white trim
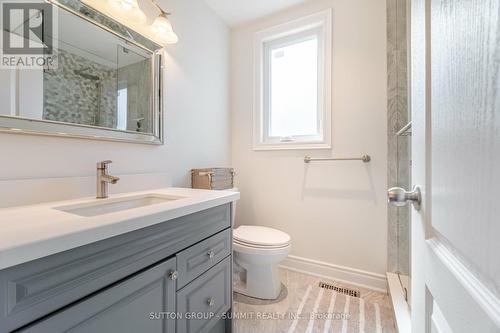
438 320
321 19
399 305
356 277
488 302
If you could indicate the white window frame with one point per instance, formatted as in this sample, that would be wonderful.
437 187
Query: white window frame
320 25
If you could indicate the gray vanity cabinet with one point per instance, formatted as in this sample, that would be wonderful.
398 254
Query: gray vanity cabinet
128 283
134 305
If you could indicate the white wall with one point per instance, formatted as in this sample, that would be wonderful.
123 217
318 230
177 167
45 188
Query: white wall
196 120
335 212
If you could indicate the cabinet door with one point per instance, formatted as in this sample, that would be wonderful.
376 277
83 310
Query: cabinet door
140 303
203 302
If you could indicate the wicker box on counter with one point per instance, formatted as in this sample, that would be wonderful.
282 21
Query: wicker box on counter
212 178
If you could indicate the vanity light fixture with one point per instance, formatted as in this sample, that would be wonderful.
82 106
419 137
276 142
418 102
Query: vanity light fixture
127 9
163 28
130 10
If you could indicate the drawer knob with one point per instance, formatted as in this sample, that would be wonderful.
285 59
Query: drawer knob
173 275
211 302
211 254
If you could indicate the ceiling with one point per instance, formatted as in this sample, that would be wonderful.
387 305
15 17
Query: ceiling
236 12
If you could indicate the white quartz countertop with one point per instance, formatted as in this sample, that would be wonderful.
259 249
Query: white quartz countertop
36 231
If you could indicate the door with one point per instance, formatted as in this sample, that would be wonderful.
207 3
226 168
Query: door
455 47
142 303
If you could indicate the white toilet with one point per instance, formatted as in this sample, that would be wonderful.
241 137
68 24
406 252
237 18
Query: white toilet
257 253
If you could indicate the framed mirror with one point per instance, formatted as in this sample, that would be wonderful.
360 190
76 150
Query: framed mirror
106 83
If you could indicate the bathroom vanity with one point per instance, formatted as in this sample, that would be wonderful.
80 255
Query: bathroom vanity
102 266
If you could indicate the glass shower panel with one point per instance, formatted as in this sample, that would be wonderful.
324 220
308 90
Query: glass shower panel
403 225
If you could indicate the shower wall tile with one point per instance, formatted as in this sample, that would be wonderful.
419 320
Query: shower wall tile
80 91
398 170
84 92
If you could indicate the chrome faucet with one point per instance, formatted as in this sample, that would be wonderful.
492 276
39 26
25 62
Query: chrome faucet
103 179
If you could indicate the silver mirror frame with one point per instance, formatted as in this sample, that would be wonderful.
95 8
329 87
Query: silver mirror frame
27 126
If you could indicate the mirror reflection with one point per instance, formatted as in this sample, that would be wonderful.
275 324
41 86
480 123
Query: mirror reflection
100 80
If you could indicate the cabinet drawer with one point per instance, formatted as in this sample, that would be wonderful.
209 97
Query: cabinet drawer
197 259
133 305
207 298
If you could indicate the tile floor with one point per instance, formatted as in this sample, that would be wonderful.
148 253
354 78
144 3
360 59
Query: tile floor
303 307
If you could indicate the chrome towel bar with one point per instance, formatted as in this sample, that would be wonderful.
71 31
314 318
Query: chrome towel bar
364 158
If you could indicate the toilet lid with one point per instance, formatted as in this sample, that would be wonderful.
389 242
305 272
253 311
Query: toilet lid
262 236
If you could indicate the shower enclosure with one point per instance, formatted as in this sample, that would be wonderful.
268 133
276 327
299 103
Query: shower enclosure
111 90
401 223
399 148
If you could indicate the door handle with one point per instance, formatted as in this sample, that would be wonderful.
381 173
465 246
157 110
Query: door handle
399 197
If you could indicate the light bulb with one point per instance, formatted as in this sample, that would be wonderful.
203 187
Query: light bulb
129 4
163 30
128 10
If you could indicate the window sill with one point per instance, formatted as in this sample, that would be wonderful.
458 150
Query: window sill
291 146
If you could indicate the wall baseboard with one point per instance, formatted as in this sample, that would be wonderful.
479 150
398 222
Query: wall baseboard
357 277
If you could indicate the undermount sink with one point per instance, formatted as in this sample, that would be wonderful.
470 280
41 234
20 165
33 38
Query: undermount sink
106 206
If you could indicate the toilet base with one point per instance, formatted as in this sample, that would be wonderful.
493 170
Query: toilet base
258 281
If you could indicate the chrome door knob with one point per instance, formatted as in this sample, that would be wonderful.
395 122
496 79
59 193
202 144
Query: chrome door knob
399 197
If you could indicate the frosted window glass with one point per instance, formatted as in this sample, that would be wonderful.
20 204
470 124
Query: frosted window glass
294 89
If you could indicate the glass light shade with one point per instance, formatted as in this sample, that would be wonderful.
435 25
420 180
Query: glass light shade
163 30
129 4
128 10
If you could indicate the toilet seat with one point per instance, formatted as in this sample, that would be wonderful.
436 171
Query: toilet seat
260 237
268 252
262 247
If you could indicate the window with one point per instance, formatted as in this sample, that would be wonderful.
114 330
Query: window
293 85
